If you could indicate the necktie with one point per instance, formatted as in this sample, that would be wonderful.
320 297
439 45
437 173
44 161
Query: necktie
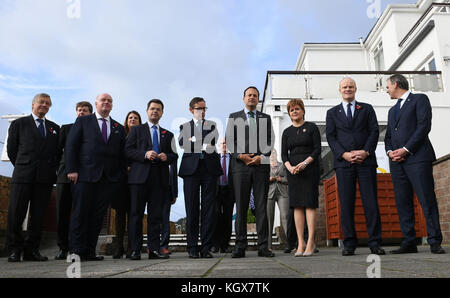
104 131
155 140
349 114
224 168
41 127
397 109
252 123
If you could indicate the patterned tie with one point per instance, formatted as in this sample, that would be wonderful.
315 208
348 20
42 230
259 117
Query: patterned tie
397 109
104 131
224 168
155 140
41 127
349 114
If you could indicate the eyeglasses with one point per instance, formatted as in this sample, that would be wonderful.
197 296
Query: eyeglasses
201 109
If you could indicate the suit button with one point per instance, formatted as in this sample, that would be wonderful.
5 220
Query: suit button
396 129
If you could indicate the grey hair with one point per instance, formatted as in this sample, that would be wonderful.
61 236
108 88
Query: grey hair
42 95
347 78
401 81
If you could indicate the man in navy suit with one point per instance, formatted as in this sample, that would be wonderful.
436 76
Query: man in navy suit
411 156
200 169
95 163
64 186
150 149
352 133
32 146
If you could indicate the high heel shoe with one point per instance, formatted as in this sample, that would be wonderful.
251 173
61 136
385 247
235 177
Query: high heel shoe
309 254
299 254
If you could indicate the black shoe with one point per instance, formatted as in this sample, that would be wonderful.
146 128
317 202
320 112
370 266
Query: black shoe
14 257
437 249
135 256
377 251
214 249
287 250
62 255
405 250
348 252
265 253
34 256
206 255
118 252
92 258
154 255
194 255
238 253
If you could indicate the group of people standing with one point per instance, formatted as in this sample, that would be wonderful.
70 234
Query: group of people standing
134 165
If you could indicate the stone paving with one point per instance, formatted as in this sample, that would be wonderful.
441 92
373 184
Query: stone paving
327 264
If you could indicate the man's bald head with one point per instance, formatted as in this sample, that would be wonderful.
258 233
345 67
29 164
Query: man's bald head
104 104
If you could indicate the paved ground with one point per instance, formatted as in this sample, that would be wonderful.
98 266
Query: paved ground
327 264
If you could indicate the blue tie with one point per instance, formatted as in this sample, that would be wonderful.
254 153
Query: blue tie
349 114
155 139
41 127
397 109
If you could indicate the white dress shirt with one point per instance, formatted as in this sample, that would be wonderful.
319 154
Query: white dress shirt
100 123
37 123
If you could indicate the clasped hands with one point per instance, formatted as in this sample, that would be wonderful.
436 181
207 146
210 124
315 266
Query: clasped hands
297 169
398 155
355 157
152 155
250 159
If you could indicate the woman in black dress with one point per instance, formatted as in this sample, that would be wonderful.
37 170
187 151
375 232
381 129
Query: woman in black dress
122 203
301 148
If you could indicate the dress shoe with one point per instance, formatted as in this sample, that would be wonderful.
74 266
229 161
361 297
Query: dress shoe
34 256
62 255
437 249
154 255
265 253
92 258
299 254
118 252
405 250
310 254
206 255
287 250
238 253
348 252
194 255
164 251
377 251
135 256
14 257
214 249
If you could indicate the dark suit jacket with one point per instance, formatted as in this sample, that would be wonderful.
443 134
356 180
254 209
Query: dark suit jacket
192 150
173 180
361 135
138 143
87 154
33 157
62 173
412 129
238 136
229 176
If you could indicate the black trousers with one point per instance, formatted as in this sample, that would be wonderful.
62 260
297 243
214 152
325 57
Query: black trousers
291 233
224 216
367 179
417 178
151 194
192 185
90 203
244 181
38 195
165 225
63 211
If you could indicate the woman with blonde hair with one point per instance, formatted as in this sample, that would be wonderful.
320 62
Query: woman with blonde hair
300 152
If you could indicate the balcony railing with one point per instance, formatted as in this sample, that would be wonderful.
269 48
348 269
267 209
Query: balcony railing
316 85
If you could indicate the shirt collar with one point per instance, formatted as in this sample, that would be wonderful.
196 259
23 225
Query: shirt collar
100 117
195 121
151 125
36 117
246 111
405 95
345 104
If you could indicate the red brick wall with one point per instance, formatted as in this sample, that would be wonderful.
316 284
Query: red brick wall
5 184
441 171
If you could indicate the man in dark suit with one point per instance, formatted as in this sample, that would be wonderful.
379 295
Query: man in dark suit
149 149
172 195
200 169
63 186
32 146
352 133
95 163
250 138
411 156
224 203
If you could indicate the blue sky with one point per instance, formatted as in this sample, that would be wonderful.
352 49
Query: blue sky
173 50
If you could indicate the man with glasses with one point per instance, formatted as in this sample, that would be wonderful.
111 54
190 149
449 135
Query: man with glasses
200 169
